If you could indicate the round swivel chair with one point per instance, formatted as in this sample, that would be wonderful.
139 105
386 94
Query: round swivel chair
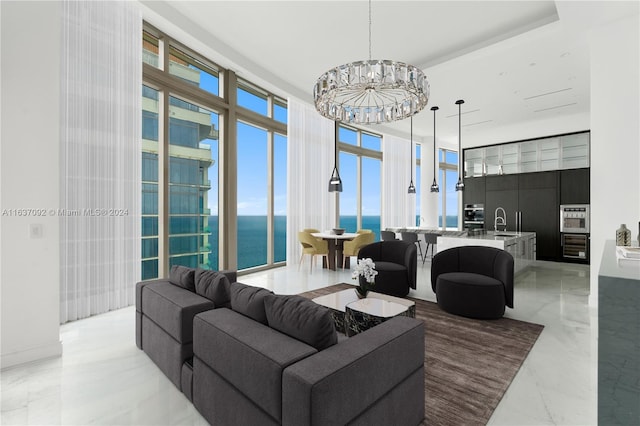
396 264
473 281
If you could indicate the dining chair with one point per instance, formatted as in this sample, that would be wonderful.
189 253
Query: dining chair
412 237
313 247
432 241
312 231
352 248
387 236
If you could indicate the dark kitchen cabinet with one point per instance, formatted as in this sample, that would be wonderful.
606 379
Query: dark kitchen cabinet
575 186
535 197
539 208
501 191
474 190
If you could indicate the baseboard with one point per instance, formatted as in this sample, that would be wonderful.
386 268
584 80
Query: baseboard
39 353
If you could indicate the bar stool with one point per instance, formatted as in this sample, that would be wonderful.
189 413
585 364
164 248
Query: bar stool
387 236
431 240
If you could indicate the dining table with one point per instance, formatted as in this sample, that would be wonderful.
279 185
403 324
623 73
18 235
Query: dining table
335 242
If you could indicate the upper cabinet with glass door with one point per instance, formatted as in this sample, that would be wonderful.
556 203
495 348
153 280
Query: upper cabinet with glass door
553 153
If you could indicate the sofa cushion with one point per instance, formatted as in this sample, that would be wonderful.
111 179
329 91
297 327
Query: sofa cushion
213 285
183 277
302 319
249 301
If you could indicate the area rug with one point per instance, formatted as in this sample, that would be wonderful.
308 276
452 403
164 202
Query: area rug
469 364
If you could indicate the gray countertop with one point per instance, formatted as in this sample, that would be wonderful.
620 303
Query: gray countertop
611 267
489 235
495 236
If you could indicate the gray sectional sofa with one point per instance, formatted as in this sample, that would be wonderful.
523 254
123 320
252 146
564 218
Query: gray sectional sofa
246 356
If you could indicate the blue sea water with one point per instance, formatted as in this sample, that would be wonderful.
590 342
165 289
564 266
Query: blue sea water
252 237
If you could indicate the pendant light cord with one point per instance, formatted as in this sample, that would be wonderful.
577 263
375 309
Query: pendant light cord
369 29
434 143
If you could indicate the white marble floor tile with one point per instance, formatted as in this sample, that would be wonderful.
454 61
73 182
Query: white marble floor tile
103 379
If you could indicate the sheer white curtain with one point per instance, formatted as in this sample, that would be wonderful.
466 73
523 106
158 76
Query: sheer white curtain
398 207
100 156
311 154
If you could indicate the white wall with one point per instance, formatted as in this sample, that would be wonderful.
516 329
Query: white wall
615 136
29 179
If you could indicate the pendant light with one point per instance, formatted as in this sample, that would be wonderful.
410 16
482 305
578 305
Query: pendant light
460 184
434 185
412 188
335 183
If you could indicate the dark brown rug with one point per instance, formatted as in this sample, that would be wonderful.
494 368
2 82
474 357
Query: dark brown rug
469 364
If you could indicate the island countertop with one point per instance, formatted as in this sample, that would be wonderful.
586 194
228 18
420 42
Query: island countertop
521 245
495 236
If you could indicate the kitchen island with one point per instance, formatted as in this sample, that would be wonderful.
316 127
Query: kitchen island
521 245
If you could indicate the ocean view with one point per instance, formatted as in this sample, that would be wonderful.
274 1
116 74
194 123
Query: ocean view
252 237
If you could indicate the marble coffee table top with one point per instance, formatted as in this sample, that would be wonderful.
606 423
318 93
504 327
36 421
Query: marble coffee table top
340 299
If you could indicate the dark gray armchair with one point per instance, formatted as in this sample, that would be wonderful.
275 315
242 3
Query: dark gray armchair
473 281
396 263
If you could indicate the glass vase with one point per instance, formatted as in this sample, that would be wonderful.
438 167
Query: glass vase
623 236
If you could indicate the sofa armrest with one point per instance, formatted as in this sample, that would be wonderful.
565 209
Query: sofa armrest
232 275
340 383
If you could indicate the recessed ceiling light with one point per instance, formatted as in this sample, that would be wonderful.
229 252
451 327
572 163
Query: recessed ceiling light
503 73
532 64
565 54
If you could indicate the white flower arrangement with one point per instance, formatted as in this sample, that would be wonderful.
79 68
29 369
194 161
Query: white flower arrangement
365 268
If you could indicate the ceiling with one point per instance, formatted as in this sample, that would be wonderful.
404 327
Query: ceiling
511 61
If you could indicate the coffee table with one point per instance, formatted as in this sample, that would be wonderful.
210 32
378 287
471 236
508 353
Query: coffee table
364 314
337 303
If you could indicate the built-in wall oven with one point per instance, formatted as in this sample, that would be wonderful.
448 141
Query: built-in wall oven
474 216
574 231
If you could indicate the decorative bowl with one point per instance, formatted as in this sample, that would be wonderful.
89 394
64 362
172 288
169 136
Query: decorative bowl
338 231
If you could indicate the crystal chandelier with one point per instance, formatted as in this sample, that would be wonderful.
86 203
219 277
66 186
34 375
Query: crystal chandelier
372 91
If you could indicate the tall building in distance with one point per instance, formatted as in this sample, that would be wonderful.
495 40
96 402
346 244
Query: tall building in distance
192 137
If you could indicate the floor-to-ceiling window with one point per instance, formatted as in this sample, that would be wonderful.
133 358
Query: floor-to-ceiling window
252 196
261 177
183 110
360 169
448 197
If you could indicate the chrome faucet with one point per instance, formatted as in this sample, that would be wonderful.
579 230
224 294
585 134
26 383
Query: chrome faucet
500 220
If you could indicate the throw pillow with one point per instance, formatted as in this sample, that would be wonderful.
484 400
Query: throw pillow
302 319
213 285
249 301
183 277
